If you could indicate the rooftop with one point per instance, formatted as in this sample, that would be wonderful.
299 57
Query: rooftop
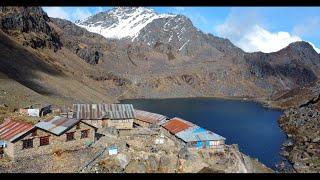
150 117
57 125
100 111
197 133
12 129
176 125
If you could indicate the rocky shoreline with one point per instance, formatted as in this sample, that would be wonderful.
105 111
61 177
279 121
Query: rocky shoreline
302 128
139 154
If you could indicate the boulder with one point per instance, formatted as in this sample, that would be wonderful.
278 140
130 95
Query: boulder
316 140
112 131
136 166
152 163
163 163
184 153
123 160
288 143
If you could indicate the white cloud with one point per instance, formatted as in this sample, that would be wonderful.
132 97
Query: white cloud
246 31
259 39
56 12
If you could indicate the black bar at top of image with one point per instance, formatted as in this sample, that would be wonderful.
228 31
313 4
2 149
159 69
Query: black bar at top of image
159 2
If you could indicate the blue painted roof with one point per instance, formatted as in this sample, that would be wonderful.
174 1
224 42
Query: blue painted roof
197 133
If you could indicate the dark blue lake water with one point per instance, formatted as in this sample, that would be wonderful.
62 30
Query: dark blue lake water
250 125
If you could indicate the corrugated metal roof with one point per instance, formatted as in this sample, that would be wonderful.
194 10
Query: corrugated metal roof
11 129
99 111
176 125
197 133
57 125
150 117
120 115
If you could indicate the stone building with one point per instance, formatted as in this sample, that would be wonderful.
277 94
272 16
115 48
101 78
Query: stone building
147 119
199 138
46 137
192 136
120 116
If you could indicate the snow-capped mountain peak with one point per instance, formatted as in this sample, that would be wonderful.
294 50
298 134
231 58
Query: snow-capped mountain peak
121 22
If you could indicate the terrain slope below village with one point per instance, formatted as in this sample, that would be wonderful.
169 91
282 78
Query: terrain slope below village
51 60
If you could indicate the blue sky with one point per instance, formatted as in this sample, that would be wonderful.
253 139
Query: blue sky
265 29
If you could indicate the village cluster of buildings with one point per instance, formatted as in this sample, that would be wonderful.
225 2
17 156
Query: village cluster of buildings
78 129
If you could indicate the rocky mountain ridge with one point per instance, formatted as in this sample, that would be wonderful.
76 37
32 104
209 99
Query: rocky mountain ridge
158 61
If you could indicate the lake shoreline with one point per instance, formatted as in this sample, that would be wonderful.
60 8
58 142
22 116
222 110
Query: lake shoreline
154 105
265 103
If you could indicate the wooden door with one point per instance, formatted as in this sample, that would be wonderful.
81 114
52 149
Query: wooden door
104 123
1 151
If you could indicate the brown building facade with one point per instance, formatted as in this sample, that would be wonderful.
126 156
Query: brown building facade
57 134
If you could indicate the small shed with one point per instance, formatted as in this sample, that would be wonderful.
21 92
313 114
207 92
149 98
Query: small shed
145 118
37 110
197 137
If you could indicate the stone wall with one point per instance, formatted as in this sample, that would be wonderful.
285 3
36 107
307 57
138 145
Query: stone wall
120 124
56 143
98 123
141 123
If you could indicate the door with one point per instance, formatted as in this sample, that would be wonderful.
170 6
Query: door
104 123
199 144
1 151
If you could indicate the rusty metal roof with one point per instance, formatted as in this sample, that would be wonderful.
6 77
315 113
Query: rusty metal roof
11 129
197 133
100 111
57 125
150 117
176 125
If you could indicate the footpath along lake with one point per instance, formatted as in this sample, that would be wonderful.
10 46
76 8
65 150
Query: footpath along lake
250 125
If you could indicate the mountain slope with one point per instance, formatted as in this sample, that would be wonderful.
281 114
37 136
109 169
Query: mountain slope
167 57
42 73
172 49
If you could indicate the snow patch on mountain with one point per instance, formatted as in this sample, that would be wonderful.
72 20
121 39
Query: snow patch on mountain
127 22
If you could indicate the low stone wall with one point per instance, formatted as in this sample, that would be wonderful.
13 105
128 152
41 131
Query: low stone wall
141 123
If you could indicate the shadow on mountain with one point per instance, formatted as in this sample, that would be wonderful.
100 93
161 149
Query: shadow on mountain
20 65
296 71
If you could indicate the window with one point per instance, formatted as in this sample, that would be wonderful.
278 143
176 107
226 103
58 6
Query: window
26 144
84 134
78 126
34 133
70 136
44 140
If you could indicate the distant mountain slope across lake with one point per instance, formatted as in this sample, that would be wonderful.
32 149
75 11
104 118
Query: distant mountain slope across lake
152 56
